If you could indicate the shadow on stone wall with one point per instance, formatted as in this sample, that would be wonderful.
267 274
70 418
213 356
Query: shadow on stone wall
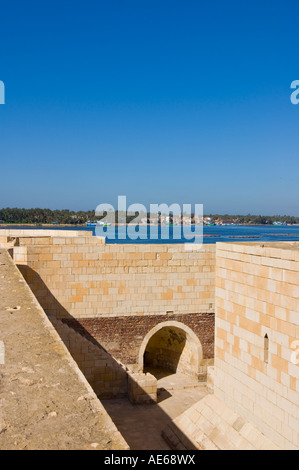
107 376
103 375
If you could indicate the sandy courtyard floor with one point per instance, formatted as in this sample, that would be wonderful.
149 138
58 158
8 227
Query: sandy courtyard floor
141 425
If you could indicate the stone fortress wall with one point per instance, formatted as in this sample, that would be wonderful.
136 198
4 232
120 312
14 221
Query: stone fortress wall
118 293
257 329
46 402
255 404
134 300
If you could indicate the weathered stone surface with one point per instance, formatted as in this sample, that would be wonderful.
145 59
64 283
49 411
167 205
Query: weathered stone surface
107 376
45 401
117 295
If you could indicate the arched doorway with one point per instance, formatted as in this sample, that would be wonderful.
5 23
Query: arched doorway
171 346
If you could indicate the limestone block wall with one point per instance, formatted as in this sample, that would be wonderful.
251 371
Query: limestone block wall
117 293
257 292
107 377
46 402
15 233
90 279
142 388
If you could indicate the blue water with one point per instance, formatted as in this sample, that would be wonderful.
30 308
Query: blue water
263 233
212 234
238 233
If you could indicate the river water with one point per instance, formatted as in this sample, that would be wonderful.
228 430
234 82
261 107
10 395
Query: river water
211 234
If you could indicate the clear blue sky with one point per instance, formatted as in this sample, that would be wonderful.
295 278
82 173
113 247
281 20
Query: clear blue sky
182 101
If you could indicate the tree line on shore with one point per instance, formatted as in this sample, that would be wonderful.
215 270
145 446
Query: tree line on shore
43 216
255 219
66 217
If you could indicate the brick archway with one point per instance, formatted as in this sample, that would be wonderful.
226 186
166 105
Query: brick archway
174 346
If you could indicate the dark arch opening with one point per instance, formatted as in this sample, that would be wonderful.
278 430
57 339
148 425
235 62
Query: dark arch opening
266 348
168 352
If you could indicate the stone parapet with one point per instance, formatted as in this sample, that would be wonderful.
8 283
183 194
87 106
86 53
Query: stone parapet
45 401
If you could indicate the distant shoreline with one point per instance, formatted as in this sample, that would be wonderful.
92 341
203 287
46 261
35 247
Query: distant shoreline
3 225
41 225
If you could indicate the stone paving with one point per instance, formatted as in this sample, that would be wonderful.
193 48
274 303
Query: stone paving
211 425
141 425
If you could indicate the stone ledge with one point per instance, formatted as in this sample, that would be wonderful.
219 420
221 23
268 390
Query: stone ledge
45 401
